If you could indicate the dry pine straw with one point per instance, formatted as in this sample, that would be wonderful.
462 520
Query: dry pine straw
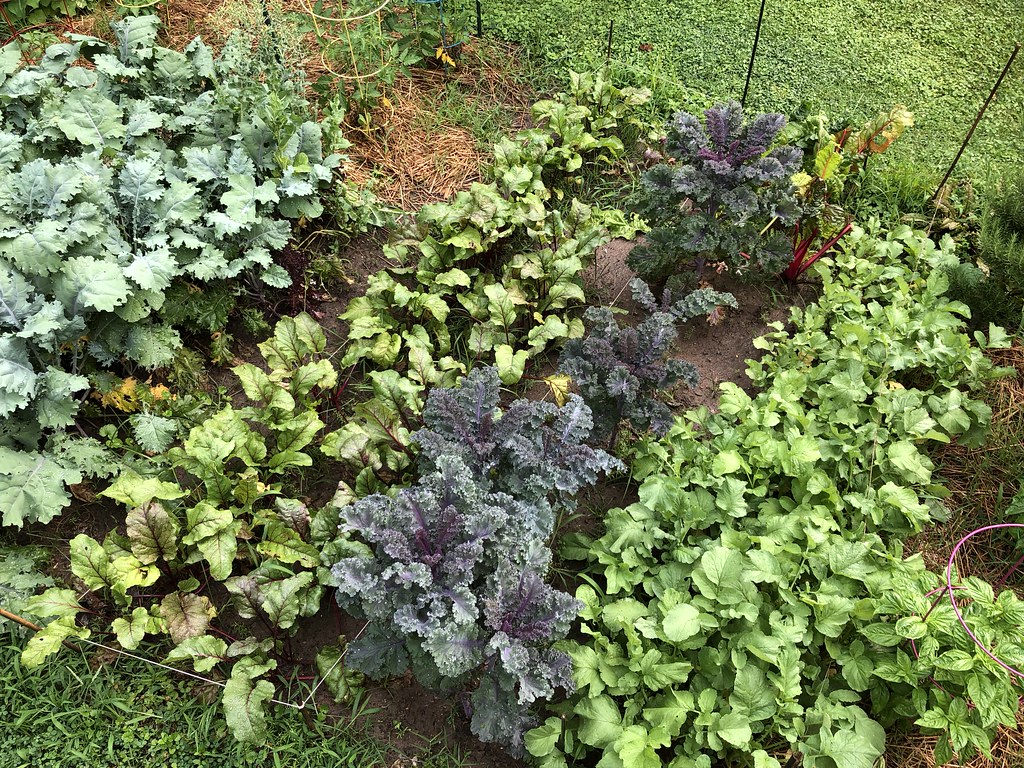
407 155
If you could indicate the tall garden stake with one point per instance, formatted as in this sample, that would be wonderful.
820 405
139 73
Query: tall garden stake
753 53
981 112
608 53
479 20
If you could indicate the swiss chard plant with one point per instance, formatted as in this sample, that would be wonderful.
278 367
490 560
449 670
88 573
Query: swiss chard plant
219 514
620 371
834 163
752 608
723 197
128 171
450 572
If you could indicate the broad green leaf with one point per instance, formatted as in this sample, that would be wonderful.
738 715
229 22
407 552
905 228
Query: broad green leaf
131 631
91 119
153 533
204 652
341 681
541 741
286 546
54 602
152 271
669 711
284 600
295 340
734 728
751 695
187 615
244 704
602 721
154 434
44 644
241 201
855 748
219 550
32 487
89 282
18 380
727 462
636 748
681 622
204 520
133 490
719 575
259 388
511 365
90 562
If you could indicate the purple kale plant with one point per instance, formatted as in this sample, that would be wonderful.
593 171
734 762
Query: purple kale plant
537 452
450 572
620 371
724 196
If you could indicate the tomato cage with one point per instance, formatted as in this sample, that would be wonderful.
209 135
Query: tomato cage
968 597
363 49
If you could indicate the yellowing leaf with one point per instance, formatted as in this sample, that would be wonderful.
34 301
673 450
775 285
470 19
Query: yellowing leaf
124 398
559 386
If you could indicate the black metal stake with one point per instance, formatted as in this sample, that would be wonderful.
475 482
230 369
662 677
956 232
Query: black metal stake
611 28
981 112
753 53
479 20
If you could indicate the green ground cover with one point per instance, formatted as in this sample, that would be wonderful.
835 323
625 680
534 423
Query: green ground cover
84 711
847 58
129 714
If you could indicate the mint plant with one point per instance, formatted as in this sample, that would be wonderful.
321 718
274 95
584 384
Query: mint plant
724 198
620 371
128 170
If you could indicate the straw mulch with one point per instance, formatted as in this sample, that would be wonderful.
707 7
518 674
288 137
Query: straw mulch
409 161
914 750
411 156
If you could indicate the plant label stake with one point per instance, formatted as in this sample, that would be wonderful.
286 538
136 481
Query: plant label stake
753 53
981 112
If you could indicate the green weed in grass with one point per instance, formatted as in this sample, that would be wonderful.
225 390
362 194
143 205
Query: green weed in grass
127 714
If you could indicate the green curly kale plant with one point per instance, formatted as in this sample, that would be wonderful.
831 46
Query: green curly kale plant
127 169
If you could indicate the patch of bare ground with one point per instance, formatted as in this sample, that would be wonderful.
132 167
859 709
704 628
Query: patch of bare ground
719 350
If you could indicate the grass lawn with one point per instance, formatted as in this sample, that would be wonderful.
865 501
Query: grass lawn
849 57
